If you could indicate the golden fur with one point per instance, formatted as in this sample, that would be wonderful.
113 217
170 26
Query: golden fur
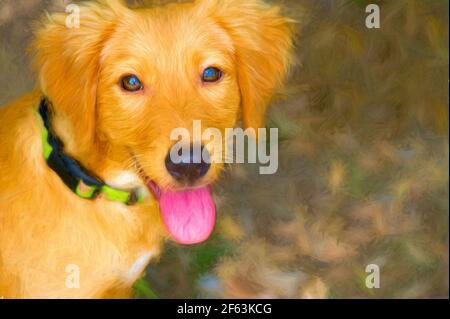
44 227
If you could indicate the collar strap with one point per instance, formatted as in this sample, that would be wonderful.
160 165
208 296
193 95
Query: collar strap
72 173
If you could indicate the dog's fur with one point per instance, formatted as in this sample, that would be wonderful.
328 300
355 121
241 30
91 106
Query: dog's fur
44 227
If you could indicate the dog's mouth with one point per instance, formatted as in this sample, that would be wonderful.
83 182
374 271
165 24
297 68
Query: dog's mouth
188 215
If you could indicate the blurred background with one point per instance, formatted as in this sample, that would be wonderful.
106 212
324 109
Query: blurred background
363 163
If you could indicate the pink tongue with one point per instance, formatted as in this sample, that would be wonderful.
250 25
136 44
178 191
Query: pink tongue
189 215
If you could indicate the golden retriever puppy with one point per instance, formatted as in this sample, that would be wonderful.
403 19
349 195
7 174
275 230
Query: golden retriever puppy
88 190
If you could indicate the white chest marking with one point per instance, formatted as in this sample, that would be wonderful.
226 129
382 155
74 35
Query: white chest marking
139 265
125 179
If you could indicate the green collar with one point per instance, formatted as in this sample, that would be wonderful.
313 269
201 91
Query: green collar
83 183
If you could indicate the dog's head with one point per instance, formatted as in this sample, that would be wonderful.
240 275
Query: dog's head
124 79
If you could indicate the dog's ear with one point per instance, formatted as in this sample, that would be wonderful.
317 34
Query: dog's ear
263 41
68 50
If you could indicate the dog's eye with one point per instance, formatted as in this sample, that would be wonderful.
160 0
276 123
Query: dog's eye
211 74
131 83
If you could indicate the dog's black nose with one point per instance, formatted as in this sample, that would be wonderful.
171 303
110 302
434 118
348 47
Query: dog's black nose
189 165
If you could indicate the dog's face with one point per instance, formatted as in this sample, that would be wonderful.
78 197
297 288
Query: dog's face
127 78
161 70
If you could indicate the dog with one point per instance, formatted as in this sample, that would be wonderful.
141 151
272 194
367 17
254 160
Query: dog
89 193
